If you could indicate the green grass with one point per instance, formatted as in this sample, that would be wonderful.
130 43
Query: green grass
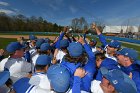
5 41
132 46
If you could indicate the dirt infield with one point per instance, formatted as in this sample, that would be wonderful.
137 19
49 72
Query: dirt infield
26 36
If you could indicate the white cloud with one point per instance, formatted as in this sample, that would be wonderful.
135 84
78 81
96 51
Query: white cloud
7 11
17 11
4 3
53 7
73 9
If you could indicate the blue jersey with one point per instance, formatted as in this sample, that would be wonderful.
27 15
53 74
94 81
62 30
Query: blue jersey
135 70
57 45
27 56
102 39
109 64
21 85
90 68
85 82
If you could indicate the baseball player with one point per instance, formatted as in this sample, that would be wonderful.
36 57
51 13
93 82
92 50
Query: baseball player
16 64
111 47
128 59
114 81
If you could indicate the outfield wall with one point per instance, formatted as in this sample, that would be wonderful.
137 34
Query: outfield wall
124 39
56 33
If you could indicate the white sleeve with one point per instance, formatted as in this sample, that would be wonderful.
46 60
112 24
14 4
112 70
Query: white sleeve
26 67
70 91
95 87
2 64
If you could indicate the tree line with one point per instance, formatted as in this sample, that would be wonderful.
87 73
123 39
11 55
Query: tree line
9 23
23 23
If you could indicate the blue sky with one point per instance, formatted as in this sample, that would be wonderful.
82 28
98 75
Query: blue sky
109 12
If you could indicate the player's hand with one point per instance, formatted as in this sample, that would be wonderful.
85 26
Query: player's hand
1 52
86 31
93 26
65 29
81 40
80 72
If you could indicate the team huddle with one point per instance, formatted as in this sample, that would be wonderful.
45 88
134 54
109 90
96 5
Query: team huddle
69 65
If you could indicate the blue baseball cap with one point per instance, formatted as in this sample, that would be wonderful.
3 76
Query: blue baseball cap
39 42
64 43
21 85
75 49
32 37
4 76
59 78
115 44
121 81
43 60
45 47
131 53
109 63
46 40
13 46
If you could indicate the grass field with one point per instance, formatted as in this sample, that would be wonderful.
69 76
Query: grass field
4 42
